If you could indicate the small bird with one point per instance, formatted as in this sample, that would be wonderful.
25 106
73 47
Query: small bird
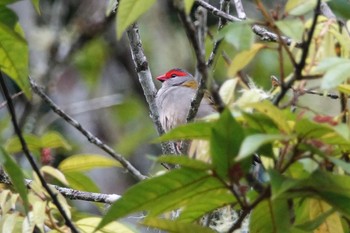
174 98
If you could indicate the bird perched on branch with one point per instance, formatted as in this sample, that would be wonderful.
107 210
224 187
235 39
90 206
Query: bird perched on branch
174 98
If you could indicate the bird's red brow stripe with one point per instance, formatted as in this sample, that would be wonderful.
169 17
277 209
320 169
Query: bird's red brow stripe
176 72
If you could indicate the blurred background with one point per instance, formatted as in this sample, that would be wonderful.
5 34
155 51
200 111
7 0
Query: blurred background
75 55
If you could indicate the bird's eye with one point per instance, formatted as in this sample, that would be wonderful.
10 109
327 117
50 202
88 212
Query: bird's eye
173 75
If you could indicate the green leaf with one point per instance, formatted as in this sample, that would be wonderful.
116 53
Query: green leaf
175 226
188 5
14 57
129 11
205 203
54 140
340 163
321 217
281 184
292 28
90 61
239 34
299 7
86 162
79 181
270 216
184 161
243 58
8 17
253 142
36 4
89 224
225 141
16 176
196 130
143 195
336 75
13 145
275 114
6 2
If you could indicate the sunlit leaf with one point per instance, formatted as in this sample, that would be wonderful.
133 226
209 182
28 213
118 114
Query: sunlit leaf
129 11
345 88
270 216
54 140
14 57
227 90
175 226
336 75
55 173
299 7
184 161
86 162
15 174
226 138
9 222
243 58
89 224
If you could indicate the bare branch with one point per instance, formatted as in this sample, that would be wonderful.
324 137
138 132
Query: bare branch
30 158
301 64
240 10
71 193
145 78
3 104
91 138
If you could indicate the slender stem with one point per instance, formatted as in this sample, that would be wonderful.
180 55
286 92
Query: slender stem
92 138
30 158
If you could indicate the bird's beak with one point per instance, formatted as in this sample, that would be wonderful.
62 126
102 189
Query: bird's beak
161 78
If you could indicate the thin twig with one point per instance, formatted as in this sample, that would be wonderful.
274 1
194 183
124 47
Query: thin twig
91 138
3 104
145 78
264 34
30 158
300 65
71 193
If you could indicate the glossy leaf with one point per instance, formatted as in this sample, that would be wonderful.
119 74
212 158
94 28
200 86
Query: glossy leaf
184 161
226 138
175 226
86 162
129 11
252 143
55 173
243 58
16 176
14 57
143 195
196 130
